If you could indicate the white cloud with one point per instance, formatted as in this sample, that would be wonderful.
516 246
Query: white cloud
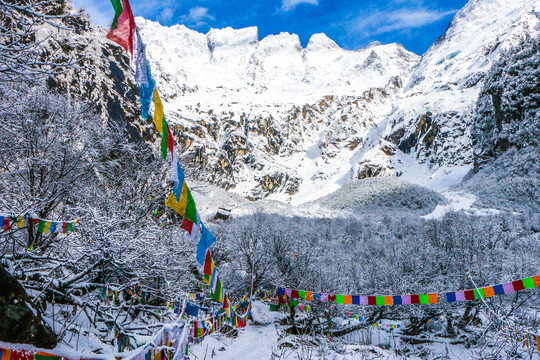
287 5
100 15
166 14
197 16
386 21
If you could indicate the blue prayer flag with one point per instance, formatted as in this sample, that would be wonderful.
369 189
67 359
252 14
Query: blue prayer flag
451 297
498 289
206 240
146 94
192 310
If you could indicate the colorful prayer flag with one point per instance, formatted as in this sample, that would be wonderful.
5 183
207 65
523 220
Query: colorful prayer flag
158 112
206 240
122 33
5 222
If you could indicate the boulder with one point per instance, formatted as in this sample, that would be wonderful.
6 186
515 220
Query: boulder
21 321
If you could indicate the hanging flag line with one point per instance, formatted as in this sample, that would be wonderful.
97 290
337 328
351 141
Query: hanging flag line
525 337
43 225
389 300
124 32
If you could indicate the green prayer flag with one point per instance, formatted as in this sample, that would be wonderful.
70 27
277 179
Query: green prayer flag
215 295
379 300
41 226
191 211
528 283
482 293
340 299
273 307
69 227
43 357
424 299
302 294
476 294
164 136
117 6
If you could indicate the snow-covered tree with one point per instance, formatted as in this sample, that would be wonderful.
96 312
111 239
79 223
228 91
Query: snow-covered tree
507 112
60 162
25 29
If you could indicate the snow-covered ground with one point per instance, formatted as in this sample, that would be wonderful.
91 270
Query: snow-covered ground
459 201
269 342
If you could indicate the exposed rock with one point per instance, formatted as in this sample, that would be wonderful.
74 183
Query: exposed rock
21 322
222 214
369 170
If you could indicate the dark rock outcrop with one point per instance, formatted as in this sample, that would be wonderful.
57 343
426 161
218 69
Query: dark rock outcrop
20 321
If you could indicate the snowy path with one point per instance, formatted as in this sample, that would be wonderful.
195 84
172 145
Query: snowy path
459 201
253 342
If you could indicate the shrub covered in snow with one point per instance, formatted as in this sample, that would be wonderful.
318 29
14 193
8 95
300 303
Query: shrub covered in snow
380 195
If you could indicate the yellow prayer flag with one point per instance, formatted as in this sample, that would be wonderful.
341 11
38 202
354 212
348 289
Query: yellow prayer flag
178 206
47 227
158 112
20 221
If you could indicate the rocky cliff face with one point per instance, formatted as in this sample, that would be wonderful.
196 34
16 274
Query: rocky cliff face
21 320
101 75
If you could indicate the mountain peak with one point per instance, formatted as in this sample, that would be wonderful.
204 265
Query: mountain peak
320 41
229 37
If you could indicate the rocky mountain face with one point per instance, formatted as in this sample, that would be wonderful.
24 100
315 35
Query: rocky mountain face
270 118
100 76
433 116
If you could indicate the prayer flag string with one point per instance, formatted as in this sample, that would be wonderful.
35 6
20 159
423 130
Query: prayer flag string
434 298
42 225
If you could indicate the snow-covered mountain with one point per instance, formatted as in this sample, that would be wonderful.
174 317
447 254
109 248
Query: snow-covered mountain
433 116
270 118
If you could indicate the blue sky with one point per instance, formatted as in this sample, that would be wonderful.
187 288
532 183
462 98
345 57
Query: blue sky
352 24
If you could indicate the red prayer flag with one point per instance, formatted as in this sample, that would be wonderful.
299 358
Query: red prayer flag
6 223
294 294
22 355
208 264
518 285
469 294
187 225
170 142
123 34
